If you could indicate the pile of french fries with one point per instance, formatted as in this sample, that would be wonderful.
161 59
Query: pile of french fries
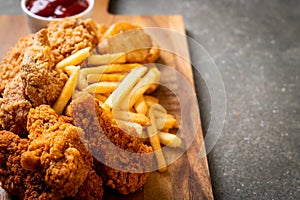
126 90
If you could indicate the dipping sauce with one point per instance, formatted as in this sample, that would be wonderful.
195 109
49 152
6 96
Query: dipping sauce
56 8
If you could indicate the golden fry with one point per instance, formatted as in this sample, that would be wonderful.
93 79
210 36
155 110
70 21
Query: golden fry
154 54
101 87
66 92
69 69
100 97
151 88
105 59
155 142
141 87
150 100
131 117
166 130
93 78
169 123
113 68
152 76
138 128
169 139
74 59
140 106
125 86
132 110
159 110
82 82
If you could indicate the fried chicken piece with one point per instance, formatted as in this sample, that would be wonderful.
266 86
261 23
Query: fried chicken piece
39 120
63 159
131 39
10 65
17 181
56 149
52 164
100 133
14 107
70 35
91 188
42 82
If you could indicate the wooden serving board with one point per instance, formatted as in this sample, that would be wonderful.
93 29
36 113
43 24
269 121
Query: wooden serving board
186 178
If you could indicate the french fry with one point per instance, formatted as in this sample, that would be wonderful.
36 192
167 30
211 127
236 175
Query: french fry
141 87
82 82
173 120
100 97
125 86
131 117
104 106
155 142
154 54
159 110
152 76
132 110
138 128
166 130
101 87
105 59
150 100
93 78
69 69
140 106
169 139
67 91
167 122
151 88
74 59
113 68
163 120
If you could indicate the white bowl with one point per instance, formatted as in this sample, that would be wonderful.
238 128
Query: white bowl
35 22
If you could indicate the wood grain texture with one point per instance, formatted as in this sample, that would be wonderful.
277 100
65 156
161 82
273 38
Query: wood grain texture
186 178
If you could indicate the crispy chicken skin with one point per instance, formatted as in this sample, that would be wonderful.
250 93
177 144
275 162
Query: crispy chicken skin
42 82
69 36
17 181
98 126
14 107
52 164
10 65
56 149
63 159
91 188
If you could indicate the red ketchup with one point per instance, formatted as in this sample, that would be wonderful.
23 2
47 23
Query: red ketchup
56 8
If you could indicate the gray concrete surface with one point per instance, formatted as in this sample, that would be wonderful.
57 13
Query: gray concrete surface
256 46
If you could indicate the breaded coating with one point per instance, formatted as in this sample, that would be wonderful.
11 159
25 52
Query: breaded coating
98 126
69 36
39 120
52 164
63 159
10 65
17 181
14 107
58 152
42 82
92 188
